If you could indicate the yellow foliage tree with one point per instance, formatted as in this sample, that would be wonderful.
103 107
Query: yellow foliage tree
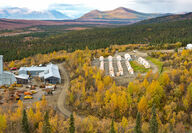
113 102
107 81
145 83
124 122
12 64
142 105
30 115
155 93
164 79
107 97
3 123
122 102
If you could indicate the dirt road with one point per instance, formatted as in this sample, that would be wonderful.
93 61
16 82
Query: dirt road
64 87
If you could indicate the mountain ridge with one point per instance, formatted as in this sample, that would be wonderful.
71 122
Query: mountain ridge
168 18
120 13
24 13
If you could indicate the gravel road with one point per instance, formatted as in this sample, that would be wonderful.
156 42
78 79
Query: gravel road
62 96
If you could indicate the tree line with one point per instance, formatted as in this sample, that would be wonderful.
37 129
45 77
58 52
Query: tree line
154 34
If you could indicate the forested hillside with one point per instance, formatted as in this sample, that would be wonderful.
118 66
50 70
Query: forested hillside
161 100
18 47
168 18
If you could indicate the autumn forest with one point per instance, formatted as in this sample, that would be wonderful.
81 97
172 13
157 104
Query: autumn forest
156 102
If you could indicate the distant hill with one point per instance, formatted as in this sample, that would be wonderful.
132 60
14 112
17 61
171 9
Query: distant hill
24 13
11 24
168 18
119 14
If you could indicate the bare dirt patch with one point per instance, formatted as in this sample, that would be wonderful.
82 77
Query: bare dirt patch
77 28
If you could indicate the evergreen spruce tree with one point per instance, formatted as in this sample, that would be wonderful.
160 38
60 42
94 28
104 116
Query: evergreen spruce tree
72 125
112 130
46 124
153 122
138 123
25 124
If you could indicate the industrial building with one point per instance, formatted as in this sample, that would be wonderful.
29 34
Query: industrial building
22 79
6 78
32 71
49 73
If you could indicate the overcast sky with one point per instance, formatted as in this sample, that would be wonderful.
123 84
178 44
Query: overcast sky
158 6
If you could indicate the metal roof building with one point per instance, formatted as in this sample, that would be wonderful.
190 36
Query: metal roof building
33 71
6 78
50 73
22 79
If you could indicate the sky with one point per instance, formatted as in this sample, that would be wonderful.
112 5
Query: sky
76 7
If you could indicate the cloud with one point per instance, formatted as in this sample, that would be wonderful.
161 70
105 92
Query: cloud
154 1
85 5
72 11
157 6
164 6
183 6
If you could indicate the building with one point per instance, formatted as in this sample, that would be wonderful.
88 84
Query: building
189 46
32 71
22 79
49 73
6 78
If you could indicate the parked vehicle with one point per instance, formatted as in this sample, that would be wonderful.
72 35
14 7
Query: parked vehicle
33 91
28 97
27 93
13 68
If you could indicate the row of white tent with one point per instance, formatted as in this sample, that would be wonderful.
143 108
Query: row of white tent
127 59
119 66
144 62
101 63
111 69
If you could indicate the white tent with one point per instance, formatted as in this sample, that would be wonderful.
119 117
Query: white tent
189 46
127 57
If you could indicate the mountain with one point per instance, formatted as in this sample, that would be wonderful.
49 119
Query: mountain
118 14
168 18
24 13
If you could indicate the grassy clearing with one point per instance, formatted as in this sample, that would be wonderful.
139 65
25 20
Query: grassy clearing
156 61
138 67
